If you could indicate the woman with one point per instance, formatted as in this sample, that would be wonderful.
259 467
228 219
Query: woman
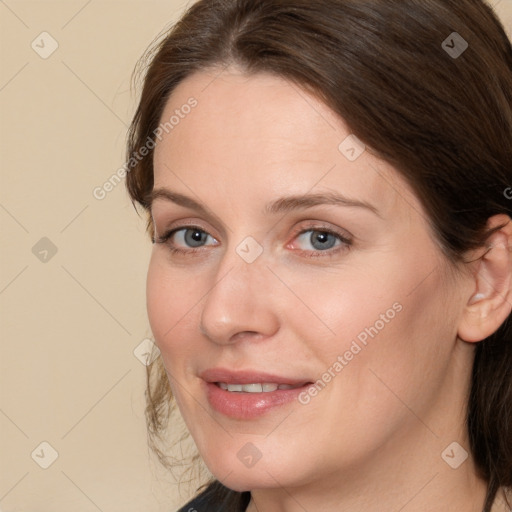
330 285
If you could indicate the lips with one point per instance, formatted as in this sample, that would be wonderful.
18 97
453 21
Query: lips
249 394
248 377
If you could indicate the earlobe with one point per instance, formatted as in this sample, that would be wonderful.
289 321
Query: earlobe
490 302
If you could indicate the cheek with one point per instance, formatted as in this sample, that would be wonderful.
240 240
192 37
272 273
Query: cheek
407 338
391 347
159 301
335 310
375 327
171 305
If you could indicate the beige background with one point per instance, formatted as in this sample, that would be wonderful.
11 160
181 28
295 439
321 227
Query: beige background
71 320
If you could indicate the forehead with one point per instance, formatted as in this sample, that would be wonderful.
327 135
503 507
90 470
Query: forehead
260 134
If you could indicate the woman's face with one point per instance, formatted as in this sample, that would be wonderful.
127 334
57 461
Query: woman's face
298 259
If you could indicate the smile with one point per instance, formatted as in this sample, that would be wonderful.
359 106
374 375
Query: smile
246 395
255 388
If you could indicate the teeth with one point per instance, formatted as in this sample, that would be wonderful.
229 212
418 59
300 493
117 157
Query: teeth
254 388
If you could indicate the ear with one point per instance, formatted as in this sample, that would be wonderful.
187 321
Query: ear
491 300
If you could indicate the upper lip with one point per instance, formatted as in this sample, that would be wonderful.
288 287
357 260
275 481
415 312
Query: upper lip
247 377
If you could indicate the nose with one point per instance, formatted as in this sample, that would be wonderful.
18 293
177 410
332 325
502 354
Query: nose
240 304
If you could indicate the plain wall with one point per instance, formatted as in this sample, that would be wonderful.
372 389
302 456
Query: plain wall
72 267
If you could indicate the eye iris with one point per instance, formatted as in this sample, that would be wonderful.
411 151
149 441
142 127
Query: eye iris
322 240
195 238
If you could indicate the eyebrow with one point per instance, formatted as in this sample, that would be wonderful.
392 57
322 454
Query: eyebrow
281 205
300 202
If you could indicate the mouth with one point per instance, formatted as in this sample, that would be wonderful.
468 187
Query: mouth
266 387
249 394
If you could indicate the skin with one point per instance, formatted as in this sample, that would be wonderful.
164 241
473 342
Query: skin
373 438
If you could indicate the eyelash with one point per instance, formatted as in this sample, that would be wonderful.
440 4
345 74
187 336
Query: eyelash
346 242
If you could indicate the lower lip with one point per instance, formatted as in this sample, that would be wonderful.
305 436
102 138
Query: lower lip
246 406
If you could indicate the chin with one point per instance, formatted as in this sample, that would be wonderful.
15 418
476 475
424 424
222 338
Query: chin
246 480
239 475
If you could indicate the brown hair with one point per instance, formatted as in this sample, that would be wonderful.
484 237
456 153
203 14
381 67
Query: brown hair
443 120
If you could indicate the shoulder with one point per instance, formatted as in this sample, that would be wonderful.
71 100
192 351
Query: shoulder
217 498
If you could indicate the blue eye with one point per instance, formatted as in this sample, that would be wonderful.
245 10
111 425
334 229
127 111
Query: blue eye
185 238
319 240
311 242
191 237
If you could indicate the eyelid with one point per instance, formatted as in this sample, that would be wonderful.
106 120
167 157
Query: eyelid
322 227
182 224
170 232
170 219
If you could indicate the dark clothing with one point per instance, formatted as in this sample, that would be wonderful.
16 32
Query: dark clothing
217 498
